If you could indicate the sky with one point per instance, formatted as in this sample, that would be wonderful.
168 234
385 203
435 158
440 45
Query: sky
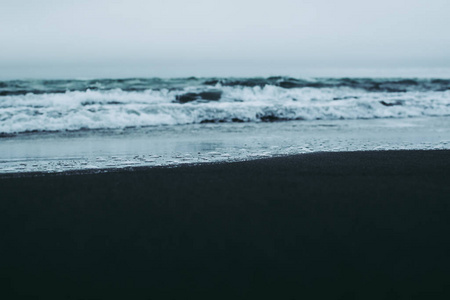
57 38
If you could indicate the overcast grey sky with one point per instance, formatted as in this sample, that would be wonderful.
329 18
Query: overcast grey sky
205 37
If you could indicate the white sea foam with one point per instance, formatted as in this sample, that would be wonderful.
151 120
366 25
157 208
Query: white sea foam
74 110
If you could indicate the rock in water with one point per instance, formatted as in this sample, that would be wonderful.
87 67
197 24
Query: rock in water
210 95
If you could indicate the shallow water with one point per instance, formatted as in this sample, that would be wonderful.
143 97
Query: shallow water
203 143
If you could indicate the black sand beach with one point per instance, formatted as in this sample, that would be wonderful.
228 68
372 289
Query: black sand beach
361 225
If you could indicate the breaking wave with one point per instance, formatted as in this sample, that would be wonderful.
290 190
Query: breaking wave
94 104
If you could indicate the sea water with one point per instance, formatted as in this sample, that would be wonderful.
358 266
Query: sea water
100 124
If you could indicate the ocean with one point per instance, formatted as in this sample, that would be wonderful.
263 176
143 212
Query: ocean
102 124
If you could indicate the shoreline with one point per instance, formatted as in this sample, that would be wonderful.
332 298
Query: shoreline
131 169
371 224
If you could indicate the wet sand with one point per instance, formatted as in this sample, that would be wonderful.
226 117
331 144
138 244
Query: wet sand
354 225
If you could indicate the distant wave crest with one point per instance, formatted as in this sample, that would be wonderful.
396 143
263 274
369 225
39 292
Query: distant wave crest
22 87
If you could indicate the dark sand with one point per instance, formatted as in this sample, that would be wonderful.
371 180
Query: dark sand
363 225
